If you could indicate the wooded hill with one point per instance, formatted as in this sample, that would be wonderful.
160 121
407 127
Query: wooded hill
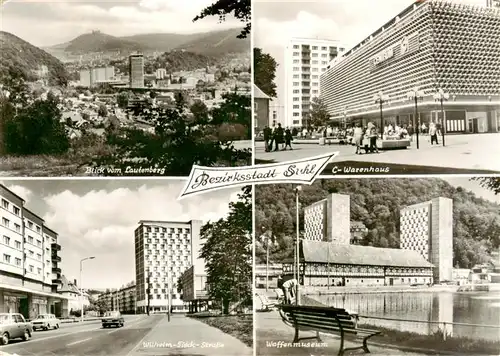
377 204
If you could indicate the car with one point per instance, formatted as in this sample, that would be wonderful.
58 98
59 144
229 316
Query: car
14 326
112 318
45 322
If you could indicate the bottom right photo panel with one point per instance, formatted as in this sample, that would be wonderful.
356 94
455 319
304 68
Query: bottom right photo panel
383 266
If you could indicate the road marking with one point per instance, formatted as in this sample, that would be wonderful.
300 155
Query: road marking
135 321
79 341
144 338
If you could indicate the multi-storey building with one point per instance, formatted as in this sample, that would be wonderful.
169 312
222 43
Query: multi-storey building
122 300
305 61
93 76
195 288
329 264
437 49
29 271
164 250
76 299
136 71
329 220
428 229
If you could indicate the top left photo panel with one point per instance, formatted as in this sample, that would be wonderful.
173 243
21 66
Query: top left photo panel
124 88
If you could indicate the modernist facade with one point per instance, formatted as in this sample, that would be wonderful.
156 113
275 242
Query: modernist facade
261 108
329 220
427 228
195 288
122 300
164 250
136 71
305 61
430 46
29 261
329 264
93 76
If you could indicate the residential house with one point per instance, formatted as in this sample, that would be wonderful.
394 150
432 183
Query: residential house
261 108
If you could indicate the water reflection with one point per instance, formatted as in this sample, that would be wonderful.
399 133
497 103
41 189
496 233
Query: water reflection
471 308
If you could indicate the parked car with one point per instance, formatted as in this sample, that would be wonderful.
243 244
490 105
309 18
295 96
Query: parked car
14 326
112 318
45 322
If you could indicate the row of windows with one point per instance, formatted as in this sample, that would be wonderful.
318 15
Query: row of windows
15 209
297 69
164 229
315 48
169 246
172 241
17 244
17 262
6 222
167 253
314 55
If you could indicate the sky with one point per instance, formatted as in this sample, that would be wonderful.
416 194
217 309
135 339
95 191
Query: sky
98 218
350 22
46 23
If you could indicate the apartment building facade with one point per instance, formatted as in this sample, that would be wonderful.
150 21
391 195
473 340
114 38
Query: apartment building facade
29 261
122 300
305 60
164 250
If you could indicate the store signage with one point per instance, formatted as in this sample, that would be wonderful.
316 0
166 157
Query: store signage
403 47
383 56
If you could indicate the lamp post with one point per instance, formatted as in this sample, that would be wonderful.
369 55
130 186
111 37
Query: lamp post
414 95
441 96
81 289
380 98
266 238
298 189
345 117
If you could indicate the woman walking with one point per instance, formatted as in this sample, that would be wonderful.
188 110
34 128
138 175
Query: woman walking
358 138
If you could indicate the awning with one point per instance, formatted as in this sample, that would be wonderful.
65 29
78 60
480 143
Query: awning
15 289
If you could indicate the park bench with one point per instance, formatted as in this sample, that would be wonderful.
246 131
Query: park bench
326 320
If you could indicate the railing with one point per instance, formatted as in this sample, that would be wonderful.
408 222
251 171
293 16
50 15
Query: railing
444 323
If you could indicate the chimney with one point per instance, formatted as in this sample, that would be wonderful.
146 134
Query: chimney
74 282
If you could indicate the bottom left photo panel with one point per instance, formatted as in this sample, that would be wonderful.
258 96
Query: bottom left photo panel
124 267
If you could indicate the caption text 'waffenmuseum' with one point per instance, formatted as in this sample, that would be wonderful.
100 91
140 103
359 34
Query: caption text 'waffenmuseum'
431 47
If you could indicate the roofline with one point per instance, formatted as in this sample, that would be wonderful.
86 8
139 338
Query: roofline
29 211
430 265
11 192
141 222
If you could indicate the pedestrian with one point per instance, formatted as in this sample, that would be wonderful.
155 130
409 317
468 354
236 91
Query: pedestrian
373 139
289 290
278 137
267 136
358 138
433 133
288 138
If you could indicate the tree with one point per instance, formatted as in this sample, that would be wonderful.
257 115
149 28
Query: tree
318 116
240 9
491 183
264 72
102 111
229 274
199 109
37 129
122 100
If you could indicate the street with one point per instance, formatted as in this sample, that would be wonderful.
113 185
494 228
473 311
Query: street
88 338
470 153
141 335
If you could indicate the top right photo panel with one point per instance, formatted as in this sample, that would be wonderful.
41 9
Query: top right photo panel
394 87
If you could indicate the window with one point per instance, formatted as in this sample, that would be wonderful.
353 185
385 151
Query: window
295 46
39 256
30 224
296 106
5 204
296 69
18 261
31 268
31 253
296 91
17 244
17 227
315 48
6 240
39 243
296 76
296 61
296 53
17 211
39 270
5 222
38 229
30 239
296 84
6 258
323 48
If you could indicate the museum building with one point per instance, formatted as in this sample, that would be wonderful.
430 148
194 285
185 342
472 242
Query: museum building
445 54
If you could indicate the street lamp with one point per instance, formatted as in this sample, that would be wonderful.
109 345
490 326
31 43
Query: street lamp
81 288
414 95
345 118
298 189
380 98
442 96
265 237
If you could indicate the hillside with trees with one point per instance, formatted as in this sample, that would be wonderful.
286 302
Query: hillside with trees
377 204
175 61
23 58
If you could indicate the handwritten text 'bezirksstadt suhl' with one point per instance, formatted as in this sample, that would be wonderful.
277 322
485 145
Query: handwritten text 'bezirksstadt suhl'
304 171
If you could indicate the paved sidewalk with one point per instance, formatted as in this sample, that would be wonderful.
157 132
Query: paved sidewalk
274 338
472 151
188 336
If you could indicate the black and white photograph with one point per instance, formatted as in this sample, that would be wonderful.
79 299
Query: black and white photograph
389 266
124 88
121 267
394 86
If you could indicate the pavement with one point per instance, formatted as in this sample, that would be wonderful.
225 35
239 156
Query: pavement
275 338
141 335
468 153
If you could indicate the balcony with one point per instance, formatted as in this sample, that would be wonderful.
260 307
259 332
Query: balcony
57 280
56 270
55 246
56 258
